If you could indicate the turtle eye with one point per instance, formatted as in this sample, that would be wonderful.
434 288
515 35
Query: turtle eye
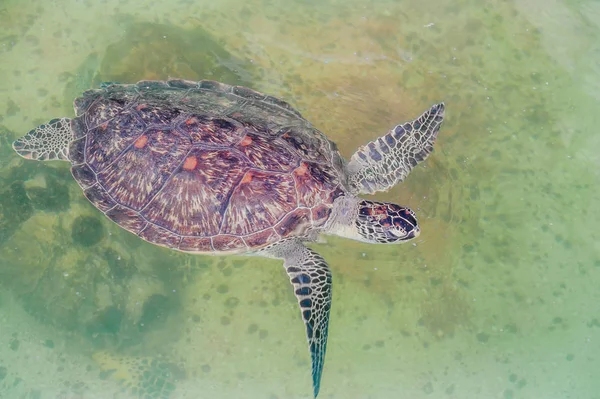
405 226
405 219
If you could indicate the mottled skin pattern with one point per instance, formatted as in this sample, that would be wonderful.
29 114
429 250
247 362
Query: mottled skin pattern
375 218
383 163
204 167
311 280
42 143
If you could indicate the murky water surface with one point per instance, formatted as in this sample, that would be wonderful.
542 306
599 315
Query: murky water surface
498 297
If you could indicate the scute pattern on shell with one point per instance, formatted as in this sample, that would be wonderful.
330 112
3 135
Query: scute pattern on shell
203 166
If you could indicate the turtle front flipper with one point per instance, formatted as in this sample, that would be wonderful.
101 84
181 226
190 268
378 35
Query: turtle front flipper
311 279
383 163
47 142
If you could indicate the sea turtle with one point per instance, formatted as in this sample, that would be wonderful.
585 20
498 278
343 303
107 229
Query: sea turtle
209 168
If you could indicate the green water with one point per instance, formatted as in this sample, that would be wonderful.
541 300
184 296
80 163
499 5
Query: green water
498 297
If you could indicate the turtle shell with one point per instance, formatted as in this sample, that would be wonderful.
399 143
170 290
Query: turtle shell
202 166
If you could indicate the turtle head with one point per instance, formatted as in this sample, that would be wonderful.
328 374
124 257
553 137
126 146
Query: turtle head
374 222
385 223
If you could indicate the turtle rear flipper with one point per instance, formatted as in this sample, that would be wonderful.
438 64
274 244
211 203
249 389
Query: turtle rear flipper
310 276
47 142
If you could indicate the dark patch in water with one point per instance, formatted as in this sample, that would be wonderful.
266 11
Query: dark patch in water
52 198
120 268
15 208
107 321
151 51
155 311
87 231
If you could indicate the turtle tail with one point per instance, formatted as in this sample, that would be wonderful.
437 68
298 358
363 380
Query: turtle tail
47 142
